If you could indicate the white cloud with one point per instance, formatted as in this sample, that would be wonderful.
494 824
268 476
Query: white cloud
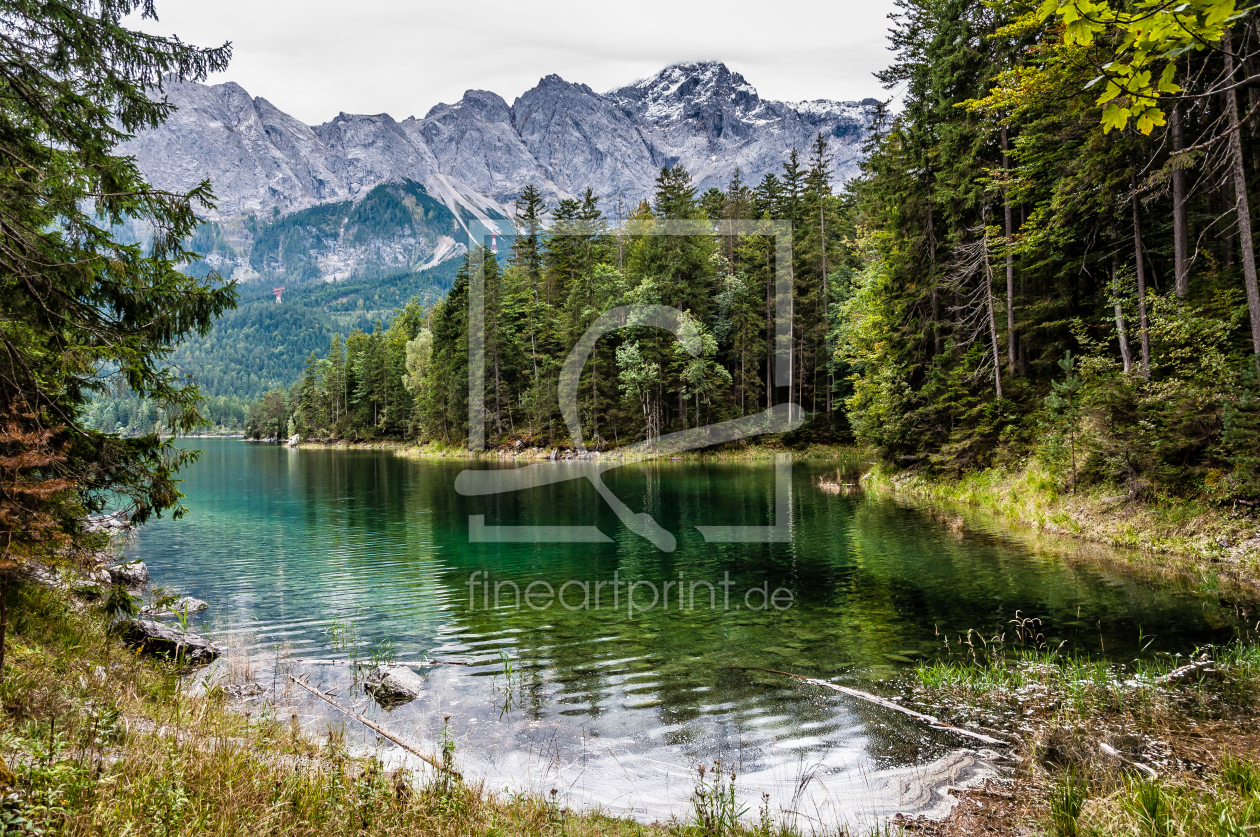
313 58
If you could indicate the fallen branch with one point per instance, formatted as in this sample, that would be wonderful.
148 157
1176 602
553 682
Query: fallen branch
378 729
879 701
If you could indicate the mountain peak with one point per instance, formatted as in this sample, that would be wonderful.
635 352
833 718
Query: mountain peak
681 90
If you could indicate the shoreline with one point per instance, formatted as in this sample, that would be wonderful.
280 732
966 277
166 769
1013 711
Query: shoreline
729 452
1216 547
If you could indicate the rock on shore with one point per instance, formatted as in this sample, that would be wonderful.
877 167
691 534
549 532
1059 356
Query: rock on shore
166 640
134 574
116 522
182 605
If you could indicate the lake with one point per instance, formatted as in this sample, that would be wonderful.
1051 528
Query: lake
610 670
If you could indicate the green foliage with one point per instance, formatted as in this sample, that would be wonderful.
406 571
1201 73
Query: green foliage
120 602
1240 430
1148 37
715 809
1067 800
406 377
998 231
1064 430
1240 774
1148 802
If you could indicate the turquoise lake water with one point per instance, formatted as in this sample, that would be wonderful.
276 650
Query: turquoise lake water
340 555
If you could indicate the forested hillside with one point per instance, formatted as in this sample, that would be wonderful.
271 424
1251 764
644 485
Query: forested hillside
1048 255
261 344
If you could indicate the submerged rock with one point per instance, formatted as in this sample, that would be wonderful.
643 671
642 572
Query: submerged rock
392 685
131 574
167 640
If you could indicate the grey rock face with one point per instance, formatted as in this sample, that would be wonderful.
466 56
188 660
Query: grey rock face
476 155
392 685
582 139
217 134
475 142
166 640
366 151
709 120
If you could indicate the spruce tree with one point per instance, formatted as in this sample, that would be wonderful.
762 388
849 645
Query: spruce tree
81 312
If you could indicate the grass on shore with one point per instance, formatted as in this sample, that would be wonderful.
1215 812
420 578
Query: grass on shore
102 742
1113 750
764 448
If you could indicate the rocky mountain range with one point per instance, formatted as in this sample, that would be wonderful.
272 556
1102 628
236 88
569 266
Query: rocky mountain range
369 195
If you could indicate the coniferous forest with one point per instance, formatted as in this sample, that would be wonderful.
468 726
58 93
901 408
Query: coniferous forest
1048 254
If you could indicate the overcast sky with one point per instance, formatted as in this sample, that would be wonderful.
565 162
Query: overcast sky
314 58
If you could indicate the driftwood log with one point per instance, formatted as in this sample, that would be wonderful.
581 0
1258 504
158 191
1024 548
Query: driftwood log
887 704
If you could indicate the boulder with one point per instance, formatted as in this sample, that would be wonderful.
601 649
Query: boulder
131 574
115 522
182 605
392 685
169 641
294 440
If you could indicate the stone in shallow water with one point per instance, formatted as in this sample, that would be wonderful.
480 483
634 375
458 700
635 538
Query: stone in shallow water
392 685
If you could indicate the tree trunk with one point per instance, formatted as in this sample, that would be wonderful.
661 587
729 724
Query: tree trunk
770 347
1010 261
822 228
1181 264
4 615
931 241
1141 276
1125 354
988 295
1242 206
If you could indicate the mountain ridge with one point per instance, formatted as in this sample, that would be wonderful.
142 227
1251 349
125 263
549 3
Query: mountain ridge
472 157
